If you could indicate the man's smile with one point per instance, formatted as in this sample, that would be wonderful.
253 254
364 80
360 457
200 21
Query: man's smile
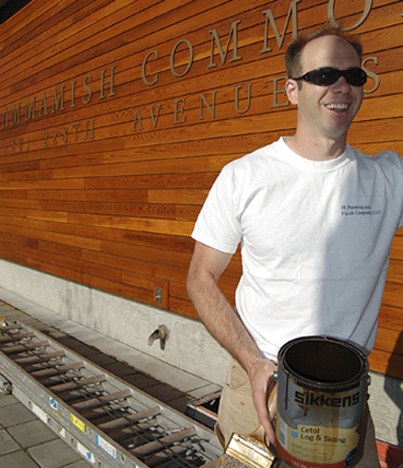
337 106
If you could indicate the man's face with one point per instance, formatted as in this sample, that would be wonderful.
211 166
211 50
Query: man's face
327 111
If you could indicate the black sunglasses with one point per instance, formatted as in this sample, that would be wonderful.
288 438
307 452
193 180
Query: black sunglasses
328 76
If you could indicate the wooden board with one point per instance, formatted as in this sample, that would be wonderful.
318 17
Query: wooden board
116 117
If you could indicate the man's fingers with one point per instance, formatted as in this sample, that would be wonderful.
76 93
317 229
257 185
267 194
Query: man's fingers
263 383
263 414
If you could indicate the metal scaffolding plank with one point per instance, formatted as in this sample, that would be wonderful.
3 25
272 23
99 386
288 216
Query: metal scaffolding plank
107 421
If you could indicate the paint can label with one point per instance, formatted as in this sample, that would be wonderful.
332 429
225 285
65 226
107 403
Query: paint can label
317 446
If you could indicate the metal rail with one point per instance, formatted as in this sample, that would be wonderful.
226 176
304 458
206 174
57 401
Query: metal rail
104 419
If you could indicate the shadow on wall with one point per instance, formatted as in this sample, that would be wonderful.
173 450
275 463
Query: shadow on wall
393 387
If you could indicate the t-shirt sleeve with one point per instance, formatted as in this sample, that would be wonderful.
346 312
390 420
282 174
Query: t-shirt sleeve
218 225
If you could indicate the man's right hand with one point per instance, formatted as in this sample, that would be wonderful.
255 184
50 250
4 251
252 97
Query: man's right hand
262 383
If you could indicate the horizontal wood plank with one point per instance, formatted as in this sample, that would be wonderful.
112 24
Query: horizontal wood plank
116 118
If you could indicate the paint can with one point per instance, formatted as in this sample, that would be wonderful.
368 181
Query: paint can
322 395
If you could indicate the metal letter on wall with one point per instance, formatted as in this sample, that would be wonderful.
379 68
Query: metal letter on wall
172 58
143 69
367 9
223 55
292 12
247 106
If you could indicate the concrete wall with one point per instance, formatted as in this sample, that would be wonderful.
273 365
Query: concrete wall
189 346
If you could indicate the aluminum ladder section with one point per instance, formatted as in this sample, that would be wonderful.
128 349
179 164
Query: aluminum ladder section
104 419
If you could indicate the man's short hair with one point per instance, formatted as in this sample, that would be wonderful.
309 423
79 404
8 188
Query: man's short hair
295 48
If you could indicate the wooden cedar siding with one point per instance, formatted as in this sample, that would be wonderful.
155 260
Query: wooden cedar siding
112 206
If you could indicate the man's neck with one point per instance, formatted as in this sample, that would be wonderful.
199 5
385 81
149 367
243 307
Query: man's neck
316 149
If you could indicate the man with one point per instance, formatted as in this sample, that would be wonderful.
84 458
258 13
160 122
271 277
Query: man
315 219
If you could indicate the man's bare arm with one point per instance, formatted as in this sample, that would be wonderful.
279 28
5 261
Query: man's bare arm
224 324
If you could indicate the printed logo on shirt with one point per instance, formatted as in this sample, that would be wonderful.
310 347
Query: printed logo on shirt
359 210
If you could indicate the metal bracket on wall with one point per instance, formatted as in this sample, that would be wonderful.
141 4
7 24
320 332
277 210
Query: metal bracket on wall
161 292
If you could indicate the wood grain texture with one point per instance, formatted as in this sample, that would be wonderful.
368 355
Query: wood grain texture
116 117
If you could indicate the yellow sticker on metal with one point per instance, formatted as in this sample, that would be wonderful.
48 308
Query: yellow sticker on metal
78 423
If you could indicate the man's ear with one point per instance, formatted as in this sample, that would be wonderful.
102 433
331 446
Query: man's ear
291 89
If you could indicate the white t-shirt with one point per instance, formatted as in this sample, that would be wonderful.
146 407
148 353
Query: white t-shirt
315 239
